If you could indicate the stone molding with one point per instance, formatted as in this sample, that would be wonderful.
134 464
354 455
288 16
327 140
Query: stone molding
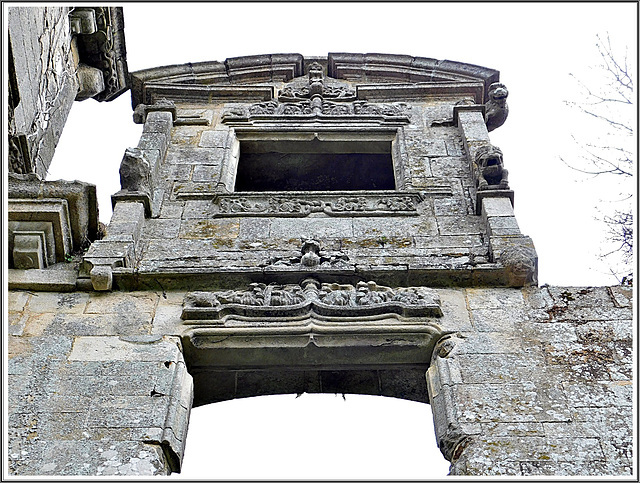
274 301
80 199
204 81
39 232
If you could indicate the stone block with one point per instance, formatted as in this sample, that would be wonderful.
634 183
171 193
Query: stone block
161 228
195 209
153 348
387 228
500 298
205 173
216 139
450 167
166 320
17 300
456 315
58 302
45 280
159 122
319 228
121 303
224 231
502 226
496 207
454 225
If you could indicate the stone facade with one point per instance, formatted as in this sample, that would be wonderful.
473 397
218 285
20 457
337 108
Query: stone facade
287 225
58 55
531 381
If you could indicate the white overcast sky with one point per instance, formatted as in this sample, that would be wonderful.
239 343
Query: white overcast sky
535 46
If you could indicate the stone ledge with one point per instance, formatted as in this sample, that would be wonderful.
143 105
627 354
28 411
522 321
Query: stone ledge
44 280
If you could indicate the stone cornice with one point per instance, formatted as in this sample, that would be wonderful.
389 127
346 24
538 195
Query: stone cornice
231 79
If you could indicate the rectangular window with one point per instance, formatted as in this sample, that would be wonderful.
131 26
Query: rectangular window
314 165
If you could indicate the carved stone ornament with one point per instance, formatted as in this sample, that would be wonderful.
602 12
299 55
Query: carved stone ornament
317 97
497 109
275 301
317 85
101 45
333 205
311 257
490 171
520 262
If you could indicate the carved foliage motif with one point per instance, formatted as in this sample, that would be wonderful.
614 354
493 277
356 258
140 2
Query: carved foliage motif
341 205
318 97
330 299
326 108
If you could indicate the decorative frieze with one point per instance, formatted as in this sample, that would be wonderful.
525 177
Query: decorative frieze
398 111
303 204
317 97
271 301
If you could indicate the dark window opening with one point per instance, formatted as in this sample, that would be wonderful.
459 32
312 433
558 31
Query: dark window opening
314 166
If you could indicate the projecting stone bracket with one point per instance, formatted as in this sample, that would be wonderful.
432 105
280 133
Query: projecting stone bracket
39 232
140 166
102 58
119 248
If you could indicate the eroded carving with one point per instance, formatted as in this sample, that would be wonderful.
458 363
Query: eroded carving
310 253
318 97
318 107
316 85
520 261
328 299
491 174
135 171
369 205
311 257
497 109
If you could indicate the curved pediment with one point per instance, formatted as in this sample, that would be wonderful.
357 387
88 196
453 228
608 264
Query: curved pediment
251 78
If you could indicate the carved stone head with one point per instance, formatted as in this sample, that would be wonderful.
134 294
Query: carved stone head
498 91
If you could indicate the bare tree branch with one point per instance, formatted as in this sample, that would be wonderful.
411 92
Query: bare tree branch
604 104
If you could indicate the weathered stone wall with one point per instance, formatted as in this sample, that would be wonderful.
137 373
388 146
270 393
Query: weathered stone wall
94 389
57 55
533 381
43 84
541 385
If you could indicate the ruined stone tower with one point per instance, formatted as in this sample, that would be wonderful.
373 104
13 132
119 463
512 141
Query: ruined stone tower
290 224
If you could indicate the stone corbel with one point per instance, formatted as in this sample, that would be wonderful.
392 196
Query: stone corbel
140 165
118 248
142 110
101 54
519 258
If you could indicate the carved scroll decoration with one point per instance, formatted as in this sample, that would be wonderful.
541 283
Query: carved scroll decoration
275 301
317 98
332 205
